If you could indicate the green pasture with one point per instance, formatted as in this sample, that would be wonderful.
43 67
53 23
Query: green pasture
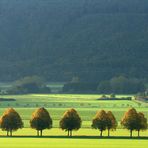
56 138
86 104
86 137
72 143
58 97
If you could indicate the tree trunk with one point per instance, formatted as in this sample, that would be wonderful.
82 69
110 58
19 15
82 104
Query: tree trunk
68 133
11 133
7 133
101 133
71 133
37 132
108 132
138 133
41 133
131 133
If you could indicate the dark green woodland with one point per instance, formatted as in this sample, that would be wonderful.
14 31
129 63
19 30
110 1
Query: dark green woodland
94 40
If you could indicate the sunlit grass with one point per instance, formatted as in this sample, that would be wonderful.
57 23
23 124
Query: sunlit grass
71 143
87 105
53 139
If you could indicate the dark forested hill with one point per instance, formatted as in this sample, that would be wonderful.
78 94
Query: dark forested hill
59 39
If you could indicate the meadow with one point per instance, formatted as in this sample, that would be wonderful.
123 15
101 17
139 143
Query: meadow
87 105
56 138
57 104
72 143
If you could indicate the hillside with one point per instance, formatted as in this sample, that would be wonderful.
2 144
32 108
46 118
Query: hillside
59 39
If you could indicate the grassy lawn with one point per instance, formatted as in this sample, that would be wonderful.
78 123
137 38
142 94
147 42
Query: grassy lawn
72 143
56 138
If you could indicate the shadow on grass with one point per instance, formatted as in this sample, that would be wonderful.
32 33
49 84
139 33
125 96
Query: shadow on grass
81 137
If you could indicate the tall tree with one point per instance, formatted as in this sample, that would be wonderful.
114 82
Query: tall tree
70 121
100 121
10 121
142 123
41 120
111 122
130 120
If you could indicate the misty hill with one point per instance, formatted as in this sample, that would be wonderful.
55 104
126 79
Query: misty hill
59 39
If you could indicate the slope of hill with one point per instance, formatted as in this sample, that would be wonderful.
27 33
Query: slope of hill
59 39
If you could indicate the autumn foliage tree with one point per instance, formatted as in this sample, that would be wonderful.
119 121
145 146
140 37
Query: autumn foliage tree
70 121
41 120
111 122
130 120
10 121
100 121
141 123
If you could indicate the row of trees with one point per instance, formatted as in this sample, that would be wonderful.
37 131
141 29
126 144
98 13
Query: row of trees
118 85
40 120
121 85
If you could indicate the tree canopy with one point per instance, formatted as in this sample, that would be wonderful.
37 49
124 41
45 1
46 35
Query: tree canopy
121 85
134 121
10 121
40 120
70 121
100 121
111 122
142 123
29 84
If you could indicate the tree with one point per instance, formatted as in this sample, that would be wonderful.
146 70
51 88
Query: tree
41 120
121 85
111 122
10 121
142 123
130 120
70 121
29 84
100 121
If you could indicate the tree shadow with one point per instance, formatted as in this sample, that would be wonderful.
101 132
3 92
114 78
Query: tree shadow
82 137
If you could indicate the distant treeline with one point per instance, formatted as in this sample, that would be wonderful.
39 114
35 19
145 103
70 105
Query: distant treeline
118 85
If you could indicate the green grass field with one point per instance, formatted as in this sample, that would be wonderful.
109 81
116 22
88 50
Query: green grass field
56 138
72 143
57 104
